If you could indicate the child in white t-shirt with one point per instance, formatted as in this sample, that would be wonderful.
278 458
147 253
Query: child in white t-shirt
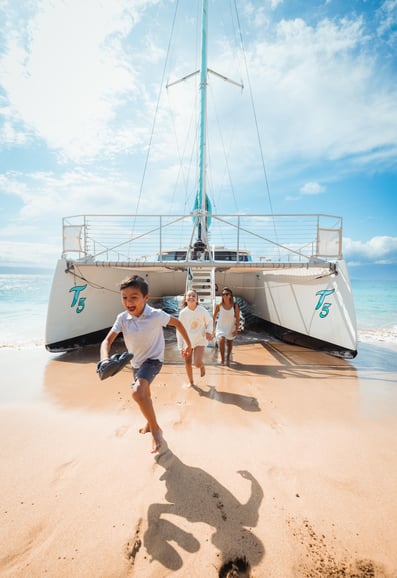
142 328
198 324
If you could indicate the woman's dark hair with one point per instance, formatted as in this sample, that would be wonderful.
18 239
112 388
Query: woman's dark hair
229 291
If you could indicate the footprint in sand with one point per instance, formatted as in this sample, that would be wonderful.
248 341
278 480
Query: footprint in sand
121 431
62 470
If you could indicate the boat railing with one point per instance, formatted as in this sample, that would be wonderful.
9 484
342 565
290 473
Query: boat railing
297 238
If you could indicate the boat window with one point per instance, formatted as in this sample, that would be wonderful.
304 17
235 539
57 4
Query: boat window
230 256
223 255
173 256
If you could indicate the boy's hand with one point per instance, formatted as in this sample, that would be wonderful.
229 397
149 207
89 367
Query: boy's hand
187 351
209 336
109 367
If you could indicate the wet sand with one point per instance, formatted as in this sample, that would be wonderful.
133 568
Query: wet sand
285 463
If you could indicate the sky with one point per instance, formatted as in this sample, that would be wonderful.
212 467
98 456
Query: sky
87 124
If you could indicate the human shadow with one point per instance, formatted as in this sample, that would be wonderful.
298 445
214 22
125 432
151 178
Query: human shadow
196 496
245 402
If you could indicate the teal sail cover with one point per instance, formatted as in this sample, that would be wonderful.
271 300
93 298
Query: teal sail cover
208 207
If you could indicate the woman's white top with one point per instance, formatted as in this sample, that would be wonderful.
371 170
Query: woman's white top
226 323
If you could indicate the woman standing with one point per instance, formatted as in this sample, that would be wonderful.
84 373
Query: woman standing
199 327
226 321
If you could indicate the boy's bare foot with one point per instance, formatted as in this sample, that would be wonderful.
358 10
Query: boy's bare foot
157 441
145 429
202 371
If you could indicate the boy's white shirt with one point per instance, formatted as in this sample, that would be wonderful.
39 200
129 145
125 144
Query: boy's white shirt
143 335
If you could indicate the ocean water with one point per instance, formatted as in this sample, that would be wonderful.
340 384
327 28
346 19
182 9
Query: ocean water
376 310
24 298
23 308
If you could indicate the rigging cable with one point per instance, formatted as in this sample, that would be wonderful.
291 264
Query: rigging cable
155 118
255 118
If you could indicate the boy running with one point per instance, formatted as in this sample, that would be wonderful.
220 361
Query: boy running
142 328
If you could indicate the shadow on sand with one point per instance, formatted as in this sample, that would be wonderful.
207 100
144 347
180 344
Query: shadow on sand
196 496
245 402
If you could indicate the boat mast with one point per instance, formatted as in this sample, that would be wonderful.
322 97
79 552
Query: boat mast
202 206
201 194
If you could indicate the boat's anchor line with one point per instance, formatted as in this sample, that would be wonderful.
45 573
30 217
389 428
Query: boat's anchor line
71 271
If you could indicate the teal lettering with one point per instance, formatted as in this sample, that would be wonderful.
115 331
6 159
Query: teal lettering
77 301
80 305
324 307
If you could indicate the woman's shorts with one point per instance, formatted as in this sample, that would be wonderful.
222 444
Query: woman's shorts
148 370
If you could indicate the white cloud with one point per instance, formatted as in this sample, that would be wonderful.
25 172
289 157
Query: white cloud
29 254
380 250
46 196
324 94
68 77
312 188
388 17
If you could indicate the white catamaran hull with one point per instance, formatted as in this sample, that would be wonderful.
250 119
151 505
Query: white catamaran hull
300 305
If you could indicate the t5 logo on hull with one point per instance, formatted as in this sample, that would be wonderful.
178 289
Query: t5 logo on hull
324 307
77 301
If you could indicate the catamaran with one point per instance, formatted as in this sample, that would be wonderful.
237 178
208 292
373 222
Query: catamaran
288 269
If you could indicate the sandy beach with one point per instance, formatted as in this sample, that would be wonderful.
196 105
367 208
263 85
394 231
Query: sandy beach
284 463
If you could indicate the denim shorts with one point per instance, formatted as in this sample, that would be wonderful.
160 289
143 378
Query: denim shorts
148 370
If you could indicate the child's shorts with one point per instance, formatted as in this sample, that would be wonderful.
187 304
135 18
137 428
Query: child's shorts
148 370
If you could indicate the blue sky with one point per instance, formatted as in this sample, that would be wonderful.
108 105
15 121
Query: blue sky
80 83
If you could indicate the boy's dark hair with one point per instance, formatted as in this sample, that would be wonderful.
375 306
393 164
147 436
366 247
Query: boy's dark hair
136 282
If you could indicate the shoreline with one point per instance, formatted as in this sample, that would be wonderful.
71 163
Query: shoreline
381 337
288 459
